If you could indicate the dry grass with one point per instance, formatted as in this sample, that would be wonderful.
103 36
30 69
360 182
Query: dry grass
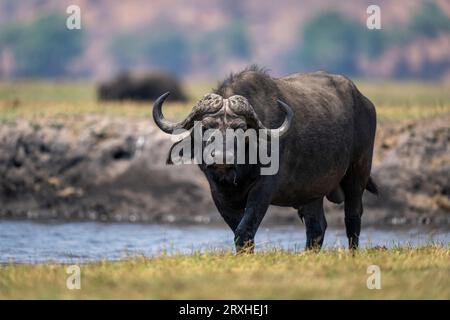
394 101
406 273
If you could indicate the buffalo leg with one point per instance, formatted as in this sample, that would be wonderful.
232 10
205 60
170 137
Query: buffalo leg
316 224
257 204
232 218
353 212
353 185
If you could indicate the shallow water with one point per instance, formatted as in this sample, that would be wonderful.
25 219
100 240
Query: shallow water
31 242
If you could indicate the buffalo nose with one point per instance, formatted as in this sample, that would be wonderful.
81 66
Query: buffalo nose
221 157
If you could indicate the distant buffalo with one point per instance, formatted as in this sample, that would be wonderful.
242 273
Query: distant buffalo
146 87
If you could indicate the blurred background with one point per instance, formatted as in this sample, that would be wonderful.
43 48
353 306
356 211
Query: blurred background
77 142
208 39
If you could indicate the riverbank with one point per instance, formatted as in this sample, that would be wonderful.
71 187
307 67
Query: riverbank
65 156
406 273
112 169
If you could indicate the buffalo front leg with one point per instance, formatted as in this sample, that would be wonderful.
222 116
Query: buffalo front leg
231 217
257 204
316 224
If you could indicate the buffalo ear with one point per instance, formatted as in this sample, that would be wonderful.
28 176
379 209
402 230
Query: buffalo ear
169 158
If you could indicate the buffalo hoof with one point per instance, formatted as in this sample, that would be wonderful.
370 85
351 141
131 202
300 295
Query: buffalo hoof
247 247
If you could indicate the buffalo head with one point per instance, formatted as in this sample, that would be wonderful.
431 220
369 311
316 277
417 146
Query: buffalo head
217 116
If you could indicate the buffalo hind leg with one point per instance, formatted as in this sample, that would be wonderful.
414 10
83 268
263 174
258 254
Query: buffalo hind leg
353 186
316 224
353 212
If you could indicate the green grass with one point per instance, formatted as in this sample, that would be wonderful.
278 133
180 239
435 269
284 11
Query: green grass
395 101
406 273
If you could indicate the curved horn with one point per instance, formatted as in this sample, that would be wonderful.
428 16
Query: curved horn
161 122
208 104
240 105
287 120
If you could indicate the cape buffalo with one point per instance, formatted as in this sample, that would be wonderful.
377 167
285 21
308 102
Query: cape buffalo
327 130
140 87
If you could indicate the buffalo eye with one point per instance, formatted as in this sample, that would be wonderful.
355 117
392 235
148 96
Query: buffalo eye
210 123
238 125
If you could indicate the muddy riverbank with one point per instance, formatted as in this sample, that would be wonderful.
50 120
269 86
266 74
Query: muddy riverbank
111 168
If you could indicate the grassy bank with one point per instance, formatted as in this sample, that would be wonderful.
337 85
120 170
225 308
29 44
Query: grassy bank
421 273
395 101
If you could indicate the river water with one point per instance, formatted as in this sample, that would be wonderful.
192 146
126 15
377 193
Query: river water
32 242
